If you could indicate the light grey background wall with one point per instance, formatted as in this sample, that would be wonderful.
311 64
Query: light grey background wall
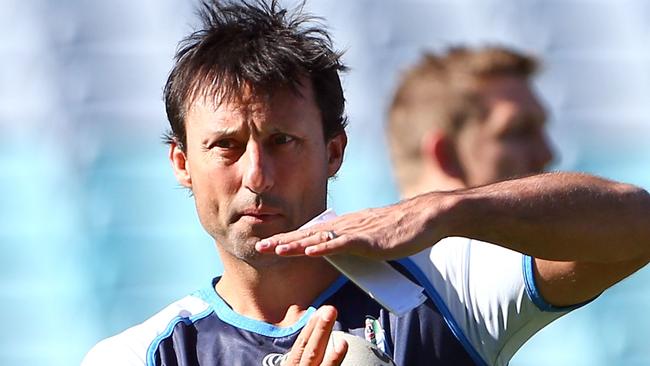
96 235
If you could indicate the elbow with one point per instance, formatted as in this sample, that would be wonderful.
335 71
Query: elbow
642 193
637 196
636 217
642 199
627 189
645 199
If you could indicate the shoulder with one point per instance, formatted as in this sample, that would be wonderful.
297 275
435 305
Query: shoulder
132 346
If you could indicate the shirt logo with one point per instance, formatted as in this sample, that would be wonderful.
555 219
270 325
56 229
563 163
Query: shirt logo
273 359
374 333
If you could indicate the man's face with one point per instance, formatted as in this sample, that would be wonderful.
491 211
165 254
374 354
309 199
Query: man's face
510 141
256 167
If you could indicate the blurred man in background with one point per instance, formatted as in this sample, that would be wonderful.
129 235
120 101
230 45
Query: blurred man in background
467 118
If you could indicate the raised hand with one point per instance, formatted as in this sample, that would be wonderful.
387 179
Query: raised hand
389 232
311 348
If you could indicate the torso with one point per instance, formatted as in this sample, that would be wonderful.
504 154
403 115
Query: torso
221 337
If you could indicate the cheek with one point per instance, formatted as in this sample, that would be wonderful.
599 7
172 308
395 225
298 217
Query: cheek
302 174
302 181
213 190
514 158
305 163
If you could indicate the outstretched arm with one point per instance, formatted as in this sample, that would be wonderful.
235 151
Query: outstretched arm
586 233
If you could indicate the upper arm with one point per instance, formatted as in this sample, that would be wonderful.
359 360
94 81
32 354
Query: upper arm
570 283
110 352
132 346
489 293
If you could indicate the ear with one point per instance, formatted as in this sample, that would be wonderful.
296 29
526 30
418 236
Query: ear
335 149
181 166
439 149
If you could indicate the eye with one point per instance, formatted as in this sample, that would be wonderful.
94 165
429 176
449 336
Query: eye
523 129
225 144
281 139
528 130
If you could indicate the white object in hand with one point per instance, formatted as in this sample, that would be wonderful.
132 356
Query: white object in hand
360 352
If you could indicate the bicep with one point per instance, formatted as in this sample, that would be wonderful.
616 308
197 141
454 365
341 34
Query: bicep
570 283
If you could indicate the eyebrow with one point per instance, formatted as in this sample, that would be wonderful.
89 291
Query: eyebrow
235 130
225 131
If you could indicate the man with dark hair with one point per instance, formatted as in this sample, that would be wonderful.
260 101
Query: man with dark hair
256 110
256 107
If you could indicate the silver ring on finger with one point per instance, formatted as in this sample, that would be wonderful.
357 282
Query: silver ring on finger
331 235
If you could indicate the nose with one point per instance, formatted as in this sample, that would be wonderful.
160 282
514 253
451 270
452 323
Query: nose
257 168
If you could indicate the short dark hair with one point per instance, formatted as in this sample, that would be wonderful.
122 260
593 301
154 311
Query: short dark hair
256 44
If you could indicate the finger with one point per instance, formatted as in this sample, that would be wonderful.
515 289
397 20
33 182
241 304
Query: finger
334 356
335 246
298 247
269 244
299 345
319 337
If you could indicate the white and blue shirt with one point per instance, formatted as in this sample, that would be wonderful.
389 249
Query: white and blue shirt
482 305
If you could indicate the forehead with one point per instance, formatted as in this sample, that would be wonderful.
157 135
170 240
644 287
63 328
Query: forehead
510 89
510 102
285 106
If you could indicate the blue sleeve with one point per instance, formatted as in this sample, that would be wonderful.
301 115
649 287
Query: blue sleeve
534 294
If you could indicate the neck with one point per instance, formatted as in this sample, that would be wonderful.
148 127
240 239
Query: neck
278 293
432 181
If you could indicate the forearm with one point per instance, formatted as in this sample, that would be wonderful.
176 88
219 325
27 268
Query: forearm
558 216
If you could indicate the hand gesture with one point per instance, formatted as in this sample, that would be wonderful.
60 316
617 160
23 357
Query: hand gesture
311 348
390 232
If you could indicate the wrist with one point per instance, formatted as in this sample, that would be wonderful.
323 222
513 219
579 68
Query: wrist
442 213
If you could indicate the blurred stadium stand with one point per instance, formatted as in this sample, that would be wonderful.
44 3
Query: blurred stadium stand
97 235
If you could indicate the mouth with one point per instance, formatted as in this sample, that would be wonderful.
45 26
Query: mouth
259 214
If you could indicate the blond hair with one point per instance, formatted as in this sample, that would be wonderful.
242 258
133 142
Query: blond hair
442 91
